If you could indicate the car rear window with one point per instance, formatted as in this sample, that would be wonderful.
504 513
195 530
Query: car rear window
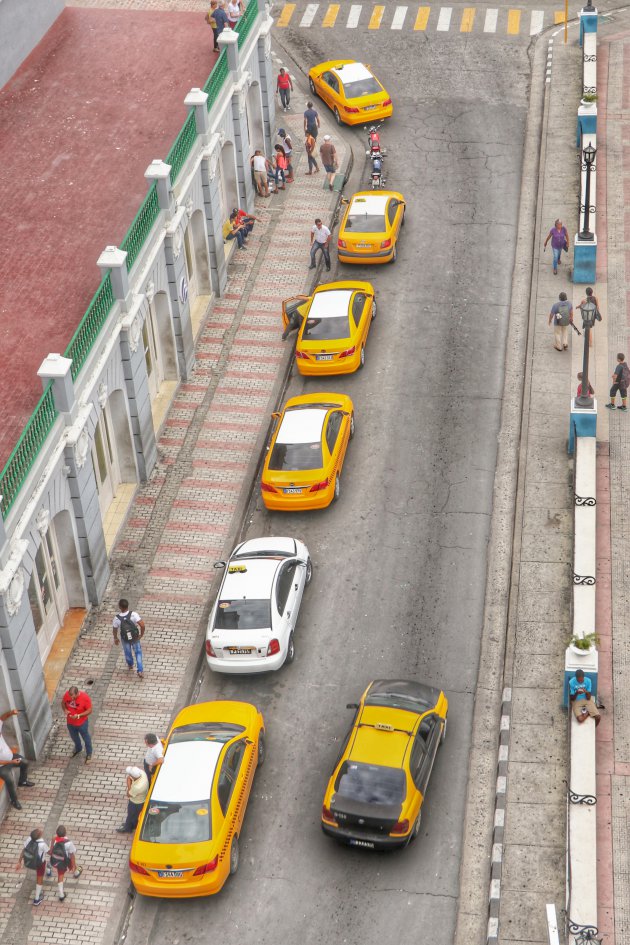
168 822
287 456
317 329
205 732
243 615
370 784
368 86
366 222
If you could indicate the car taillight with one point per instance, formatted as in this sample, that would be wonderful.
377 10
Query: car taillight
347 352
387 102
341 244
273 648
300 354
401 827
209 649
136 868
386 244
349 108
319 486
327 814
265 487
207 867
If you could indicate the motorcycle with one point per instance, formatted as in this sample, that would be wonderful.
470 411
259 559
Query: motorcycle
376 176
374 141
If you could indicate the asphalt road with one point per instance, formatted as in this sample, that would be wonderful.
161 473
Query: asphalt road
400 560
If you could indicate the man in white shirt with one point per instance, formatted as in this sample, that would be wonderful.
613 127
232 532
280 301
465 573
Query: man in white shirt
154 754
260 166
9 761
320 239
130 625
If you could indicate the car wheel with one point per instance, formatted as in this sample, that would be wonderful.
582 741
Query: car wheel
394 254
352 431
312 86
362 357
261 750
443 738
309 571
416 828
234 855
337 115
290 650
337 487
373 309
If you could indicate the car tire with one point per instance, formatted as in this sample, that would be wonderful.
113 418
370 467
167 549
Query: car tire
309 572
234 855
353 428
260 757
337 115
337 491
290 650
362 357
373 309
416 828
394 254
443 736
312 87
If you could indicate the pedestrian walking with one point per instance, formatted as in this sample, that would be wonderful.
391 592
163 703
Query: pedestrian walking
559 237
137 790
62 858
284 87
77 706
562 315
218 20
590 297
130 625
621 382
309 144
280 166
591 389
328 154
320 240
580 696
287 146
33 857
311 120
154 755
260 166
235 10
9 761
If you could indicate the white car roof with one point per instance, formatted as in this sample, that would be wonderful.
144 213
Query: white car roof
303 425
253 584
372 204
331 304
270 545
353 72
187 772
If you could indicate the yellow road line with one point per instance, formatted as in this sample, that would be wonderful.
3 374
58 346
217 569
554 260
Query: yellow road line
331 14
422 18
514 22
468 18
285 17
375 19
558 16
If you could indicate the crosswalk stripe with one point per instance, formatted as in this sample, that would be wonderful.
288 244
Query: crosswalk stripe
558 16
514 22
536 22
285 17
490 23
422 18
331 14
309 14
468 18
399 18
444 19
375 19
353 16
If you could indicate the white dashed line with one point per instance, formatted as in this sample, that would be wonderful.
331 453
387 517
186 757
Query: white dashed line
444 21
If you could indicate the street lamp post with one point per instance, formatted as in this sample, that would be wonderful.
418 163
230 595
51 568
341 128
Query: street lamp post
589 7
588 309
589 159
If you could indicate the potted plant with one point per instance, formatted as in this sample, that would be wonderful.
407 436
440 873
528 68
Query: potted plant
589 98
582 645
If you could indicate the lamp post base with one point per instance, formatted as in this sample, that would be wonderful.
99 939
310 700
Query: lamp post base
582 422
585 261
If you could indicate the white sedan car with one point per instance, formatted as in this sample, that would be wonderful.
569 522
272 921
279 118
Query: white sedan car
254 616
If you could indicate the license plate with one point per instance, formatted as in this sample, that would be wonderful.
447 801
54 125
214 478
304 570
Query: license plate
292 491
364 245
170 874
239 650
362 843
323 357
368 108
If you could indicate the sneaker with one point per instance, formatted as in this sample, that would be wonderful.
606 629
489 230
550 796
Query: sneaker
49 871
78 872
26 783
611 406
622 407
38 902
88 758
122 829
140 674
61 898
76 752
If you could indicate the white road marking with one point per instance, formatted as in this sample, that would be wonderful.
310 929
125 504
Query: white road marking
309 14
490 25
444 21
353 16
536 23
399 18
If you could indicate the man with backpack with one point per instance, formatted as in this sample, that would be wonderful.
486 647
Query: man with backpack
33 857
131 628
562 315
621 382
62 858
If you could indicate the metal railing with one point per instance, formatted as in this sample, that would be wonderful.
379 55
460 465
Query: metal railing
141 226
182 146
215 80
90 325
25 452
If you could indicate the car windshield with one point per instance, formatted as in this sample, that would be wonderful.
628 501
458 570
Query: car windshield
205 732
317 329
287 456
168 822
397 700
365 222
370 784
243 615
367 86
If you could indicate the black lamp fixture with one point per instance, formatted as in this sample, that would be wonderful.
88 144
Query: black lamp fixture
588 154
588 310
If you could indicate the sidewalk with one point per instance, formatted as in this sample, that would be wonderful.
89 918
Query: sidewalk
182 520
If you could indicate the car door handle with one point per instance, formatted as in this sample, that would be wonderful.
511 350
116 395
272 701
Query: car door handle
295 586
288 613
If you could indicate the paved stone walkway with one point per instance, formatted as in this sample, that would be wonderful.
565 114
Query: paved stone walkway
182 520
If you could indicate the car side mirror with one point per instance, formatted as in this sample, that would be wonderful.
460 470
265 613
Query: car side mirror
275 415
219 565
352 705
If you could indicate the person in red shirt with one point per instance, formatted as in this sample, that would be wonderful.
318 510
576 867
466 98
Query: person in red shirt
77 706
280 166
591 389
284 87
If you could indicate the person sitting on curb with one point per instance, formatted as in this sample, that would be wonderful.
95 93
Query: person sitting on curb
137 790
232 230
621 381
245 219
582 702
9 761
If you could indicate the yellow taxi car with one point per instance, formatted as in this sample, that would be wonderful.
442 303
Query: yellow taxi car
375 795
351 91
307 452
332 326
370 227
186 841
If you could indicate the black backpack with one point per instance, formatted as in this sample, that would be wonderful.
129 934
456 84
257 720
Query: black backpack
59 855
33 855
129 631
